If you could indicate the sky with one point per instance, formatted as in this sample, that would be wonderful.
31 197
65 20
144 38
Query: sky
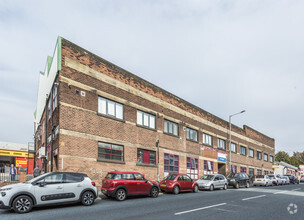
223 56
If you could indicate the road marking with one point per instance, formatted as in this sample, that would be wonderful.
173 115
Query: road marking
280 192
253 197
295 189
193 210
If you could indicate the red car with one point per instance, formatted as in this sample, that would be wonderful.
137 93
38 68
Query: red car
178 183
123 184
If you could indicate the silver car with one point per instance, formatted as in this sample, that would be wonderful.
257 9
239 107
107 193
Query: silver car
262 180
213 181
48 189
286 180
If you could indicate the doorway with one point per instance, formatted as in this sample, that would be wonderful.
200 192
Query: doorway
222 168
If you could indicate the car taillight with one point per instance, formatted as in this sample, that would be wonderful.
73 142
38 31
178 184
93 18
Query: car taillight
93 183
274 178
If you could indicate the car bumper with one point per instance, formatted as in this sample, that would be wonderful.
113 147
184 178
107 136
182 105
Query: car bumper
3 206
108 191
204 187
232 183
166 188
259 183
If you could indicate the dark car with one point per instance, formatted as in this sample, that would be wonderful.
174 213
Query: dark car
123 184
302 180
178 183
238 180
293 179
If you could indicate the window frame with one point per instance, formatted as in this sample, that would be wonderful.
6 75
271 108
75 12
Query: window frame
259 153
188 136
145 150
251 150
111 154
242 169
266 157
234 147
219 141
143 119
171 123
107 114
243 147
235 166
196 169
206 166
207 137
270 158
169 165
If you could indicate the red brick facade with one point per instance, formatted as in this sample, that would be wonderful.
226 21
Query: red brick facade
84 77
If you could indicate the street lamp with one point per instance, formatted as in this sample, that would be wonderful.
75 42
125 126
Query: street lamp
230 116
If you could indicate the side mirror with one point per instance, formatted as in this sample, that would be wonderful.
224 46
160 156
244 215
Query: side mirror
146 181
42 184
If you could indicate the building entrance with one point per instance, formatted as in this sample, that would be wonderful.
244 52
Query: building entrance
222 168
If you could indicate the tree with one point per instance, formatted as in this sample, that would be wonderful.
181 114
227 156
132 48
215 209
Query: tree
282 156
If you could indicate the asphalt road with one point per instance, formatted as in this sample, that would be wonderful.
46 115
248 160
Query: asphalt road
253 203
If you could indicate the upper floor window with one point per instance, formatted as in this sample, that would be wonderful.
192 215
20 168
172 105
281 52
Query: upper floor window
207 139
221 143
265 157
233 147
259 155
110 108
110 151
145 119
271 159
251 153
146 156
170 127
55 92
191 134
50 106
243 150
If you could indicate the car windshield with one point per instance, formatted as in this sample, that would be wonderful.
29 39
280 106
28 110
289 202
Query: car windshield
171 177
271 175
231 175
36 178
207 177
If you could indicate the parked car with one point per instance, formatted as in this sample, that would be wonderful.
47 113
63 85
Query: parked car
273 178
213 181
280 180
285 180
47 189
293 179
302 180
238 180
177 183
262 180
123 184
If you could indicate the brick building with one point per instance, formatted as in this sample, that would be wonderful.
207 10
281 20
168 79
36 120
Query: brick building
93 116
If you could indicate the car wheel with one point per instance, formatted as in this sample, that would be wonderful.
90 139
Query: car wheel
247 185
23 204
225 187
87 198
176 190
195 189
211 188
121 195
237 185
154 192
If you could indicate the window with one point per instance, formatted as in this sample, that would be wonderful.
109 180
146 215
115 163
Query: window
146 157
259 172
145 119
53 179
233 147
108 151
171 163
243 150
251 153
110 108
50 106
271 159
127 176
233 169
43 131
73 178
265 157
192 167
191 134
251 172
243 169
170 127
265 172
55 89
208 167
259 155
207 139
139 176
221 144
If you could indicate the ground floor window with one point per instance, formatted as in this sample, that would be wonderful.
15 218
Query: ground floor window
171 163
259 172
192 167
251 172
233 169
110 151
243 170
145 157
266 172
208 167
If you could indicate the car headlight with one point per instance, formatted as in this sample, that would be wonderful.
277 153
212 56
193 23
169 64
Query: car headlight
232 180
5 189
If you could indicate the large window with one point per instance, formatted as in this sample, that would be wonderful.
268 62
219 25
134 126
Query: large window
191 134
271 159
207 139
145 157
233 169
55 96
243 169
145 119
192 167
208 167
251 153
259 155
108 151
233 147
110 108
171 163
221 144
259 172
170 127
243 150
265 157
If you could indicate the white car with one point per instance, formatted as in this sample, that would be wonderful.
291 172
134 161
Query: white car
286 180
262 180
49 188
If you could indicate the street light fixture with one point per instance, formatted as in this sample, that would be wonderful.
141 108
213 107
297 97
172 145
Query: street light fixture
230 116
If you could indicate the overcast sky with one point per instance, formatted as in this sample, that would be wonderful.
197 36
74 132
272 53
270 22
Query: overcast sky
223 56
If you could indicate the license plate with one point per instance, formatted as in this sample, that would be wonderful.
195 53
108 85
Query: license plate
104 191
163 185
259 180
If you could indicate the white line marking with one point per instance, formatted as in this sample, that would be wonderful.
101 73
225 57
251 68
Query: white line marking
280 192
206 207
295 189
253 197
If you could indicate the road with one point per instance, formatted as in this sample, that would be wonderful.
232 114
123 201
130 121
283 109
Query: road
253 203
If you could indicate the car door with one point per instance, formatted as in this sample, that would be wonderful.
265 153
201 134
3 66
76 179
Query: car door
242 179
222 181
73 186
129 182
49 189
187 182
216 182
143 185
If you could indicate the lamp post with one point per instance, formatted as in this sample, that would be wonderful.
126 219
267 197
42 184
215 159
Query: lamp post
230 116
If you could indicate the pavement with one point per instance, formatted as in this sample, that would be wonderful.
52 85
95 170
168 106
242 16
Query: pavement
276 202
